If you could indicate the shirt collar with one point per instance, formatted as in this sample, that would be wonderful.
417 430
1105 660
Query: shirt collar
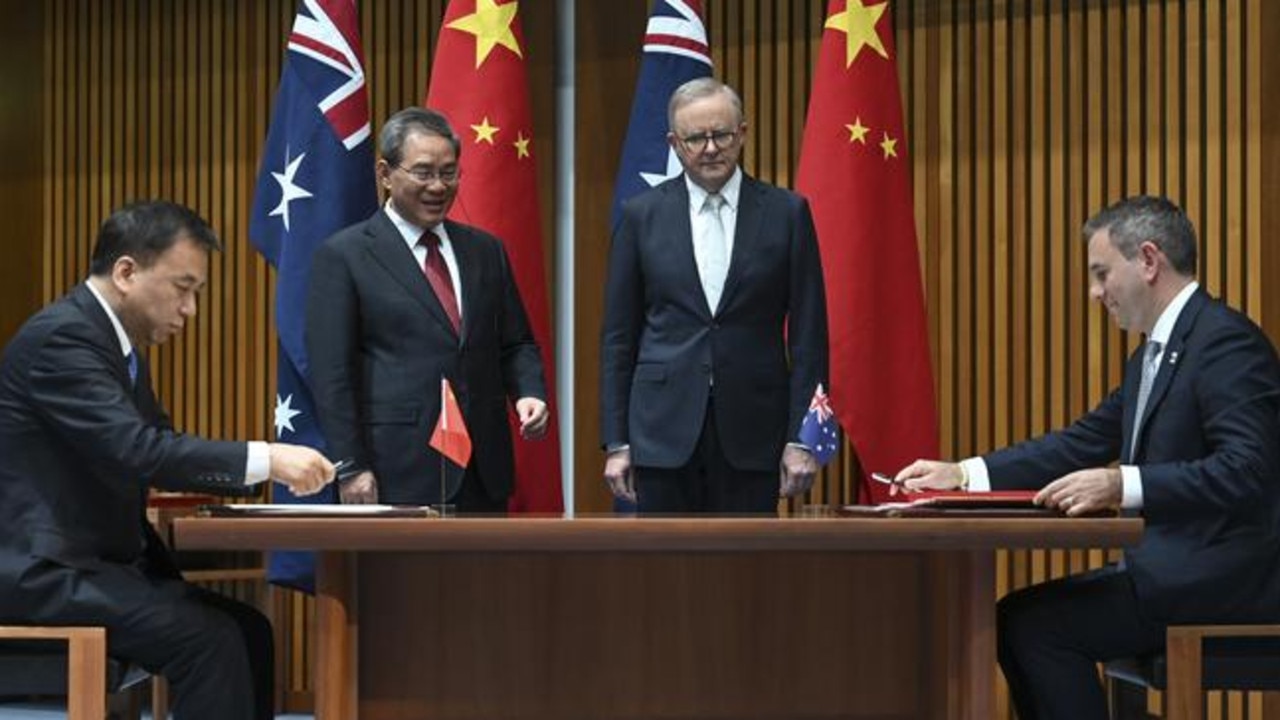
126 346
1164 324
730 192
413 233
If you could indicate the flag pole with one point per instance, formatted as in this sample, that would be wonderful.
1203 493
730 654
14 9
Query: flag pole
444 422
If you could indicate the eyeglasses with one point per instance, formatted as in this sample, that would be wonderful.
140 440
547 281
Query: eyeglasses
721 138
424 175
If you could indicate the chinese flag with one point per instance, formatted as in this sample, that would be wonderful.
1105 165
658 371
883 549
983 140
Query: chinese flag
479 82
450 438
853 169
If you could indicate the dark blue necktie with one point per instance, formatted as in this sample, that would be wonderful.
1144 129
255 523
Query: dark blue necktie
133 367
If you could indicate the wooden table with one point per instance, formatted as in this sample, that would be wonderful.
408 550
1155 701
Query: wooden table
637 619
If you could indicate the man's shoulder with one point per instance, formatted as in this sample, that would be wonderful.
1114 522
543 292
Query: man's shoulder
770 193
66 316
358 231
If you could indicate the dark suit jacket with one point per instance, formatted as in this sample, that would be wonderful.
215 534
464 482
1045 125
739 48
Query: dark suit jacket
766 345
379 341
78 447
1209 454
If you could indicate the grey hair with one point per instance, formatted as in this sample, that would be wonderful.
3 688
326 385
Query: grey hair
697 89
414 120
1135 220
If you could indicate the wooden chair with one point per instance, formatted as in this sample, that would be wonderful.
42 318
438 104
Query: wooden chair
1199 658
34 661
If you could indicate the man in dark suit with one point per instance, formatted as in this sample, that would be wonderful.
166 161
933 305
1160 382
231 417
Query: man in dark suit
715 327
1195 426
403 299
81 438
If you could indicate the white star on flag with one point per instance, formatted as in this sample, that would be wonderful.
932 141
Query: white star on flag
285 415
673 169
288 190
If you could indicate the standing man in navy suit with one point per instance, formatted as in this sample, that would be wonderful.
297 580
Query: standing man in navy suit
715 327
82 436
402 299
1195 426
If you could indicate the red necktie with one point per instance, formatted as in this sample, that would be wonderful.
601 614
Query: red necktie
437 272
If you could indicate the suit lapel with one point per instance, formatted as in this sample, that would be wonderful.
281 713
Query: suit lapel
388 249
676 217
83 298
1170 361
745 235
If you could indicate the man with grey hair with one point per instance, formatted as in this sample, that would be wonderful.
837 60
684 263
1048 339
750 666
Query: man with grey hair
1195 427
403 299
715 327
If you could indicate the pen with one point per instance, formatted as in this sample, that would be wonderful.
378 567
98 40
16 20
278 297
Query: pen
882 478
345 469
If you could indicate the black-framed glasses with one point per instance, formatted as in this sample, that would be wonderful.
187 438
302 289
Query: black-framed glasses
424 175
698 143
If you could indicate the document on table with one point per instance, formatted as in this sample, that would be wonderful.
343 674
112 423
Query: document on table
314 511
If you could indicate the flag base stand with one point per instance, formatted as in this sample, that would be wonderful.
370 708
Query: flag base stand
445 510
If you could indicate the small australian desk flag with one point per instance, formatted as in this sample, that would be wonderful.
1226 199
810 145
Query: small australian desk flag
818 429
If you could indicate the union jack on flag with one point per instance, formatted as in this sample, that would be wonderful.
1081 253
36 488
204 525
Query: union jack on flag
675 52
818 429
316 178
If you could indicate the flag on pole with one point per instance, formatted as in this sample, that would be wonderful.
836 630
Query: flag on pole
818 429
450 438
853 168
316 177
675 52
479 81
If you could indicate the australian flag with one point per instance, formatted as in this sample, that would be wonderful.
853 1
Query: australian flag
675 52
316 178
818 429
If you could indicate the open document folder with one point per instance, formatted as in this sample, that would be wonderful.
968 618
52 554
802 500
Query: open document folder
245 510
999 503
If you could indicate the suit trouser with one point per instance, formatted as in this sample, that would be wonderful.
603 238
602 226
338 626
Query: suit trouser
707 482
1050 637
216 653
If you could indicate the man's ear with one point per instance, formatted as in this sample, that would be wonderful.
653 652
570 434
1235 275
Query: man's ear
1152 258
123 272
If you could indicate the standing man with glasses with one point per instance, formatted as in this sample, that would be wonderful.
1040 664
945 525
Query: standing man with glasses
715 327
403 299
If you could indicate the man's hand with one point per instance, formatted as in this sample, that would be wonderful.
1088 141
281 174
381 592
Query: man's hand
1084 491
617 473
359 490
303 470
534 417
797 470
927 475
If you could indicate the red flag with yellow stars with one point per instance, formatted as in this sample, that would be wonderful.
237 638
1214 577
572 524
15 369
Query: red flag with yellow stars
480 83
853 168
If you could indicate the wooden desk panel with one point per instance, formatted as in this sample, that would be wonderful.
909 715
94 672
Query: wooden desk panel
625 619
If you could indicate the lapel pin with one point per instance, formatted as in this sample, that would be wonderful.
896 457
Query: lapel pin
1173 358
